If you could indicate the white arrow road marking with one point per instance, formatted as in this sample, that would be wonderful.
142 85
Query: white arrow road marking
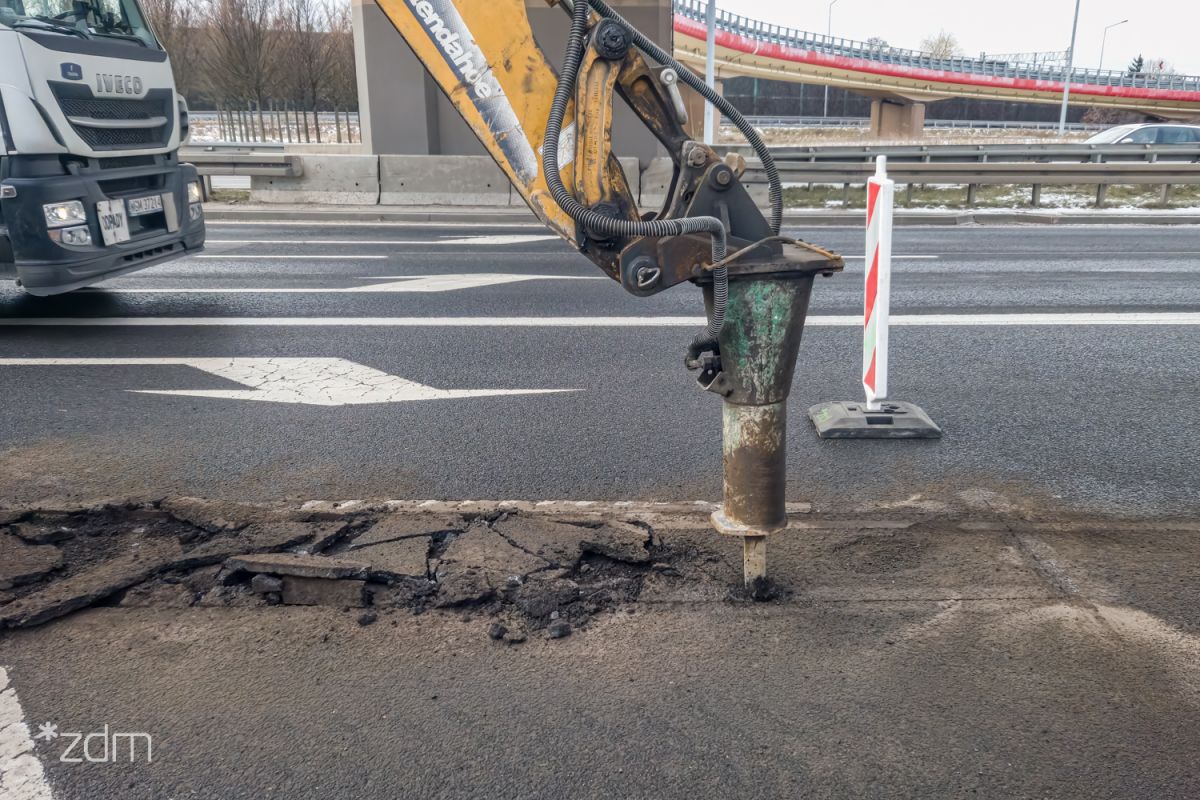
394 283
21 773
309 381
447 283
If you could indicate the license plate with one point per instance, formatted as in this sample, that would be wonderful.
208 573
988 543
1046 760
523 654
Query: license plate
145 205
114 226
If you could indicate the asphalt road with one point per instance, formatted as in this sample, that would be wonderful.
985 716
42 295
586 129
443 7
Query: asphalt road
1090 416
1000 655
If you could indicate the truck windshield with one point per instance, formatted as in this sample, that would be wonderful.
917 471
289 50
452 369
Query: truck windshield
107 19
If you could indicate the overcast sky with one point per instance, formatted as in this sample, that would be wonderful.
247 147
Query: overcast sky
1166 29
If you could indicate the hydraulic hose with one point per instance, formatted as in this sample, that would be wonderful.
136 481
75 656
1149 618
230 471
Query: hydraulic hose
774 186
625 227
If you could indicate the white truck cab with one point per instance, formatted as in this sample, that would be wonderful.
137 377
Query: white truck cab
90 128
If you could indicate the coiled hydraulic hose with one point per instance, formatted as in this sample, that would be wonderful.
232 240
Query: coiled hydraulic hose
774 186
676 227
625 227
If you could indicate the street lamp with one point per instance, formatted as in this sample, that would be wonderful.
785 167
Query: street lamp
828 34
1062 115
1104 40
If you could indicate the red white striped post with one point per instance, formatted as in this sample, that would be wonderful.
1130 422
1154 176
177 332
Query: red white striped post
878 284
879 417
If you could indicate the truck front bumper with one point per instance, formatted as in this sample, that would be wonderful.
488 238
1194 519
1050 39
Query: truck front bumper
43 266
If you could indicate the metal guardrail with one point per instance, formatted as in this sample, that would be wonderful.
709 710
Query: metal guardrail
1017 173
1033 165
228 147
1034 153
970 165
238 159
850 48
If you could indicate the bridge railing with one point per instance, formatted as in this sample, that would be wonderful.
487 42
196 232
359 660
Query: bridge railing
930 124
850 48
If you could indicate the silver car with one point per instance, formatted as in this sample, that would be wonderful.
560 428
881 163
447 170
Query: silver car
1148 133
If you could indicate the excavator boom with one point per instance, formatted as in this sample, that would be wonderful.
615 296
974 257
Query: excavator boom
551 133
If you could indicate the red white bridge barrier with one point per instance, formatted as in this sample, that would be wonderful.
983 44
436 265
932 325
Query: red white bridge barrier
878 417
877 284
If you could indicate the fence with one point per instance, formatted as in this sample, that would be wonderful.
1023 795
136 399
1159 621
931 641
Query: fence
275 123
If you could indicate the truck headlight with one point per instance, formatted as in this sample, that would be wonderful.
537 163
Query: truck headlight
59 215
194 193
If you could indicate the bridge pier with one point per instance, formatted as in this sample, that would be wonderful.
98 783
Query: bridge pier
402 111
893 118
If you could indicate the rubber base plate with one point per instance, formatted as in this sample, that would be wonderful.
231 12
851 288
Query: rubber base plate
851 420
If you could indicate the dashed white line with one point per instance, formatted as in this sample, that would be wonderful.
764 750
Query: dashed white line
21 773
325 256
912 320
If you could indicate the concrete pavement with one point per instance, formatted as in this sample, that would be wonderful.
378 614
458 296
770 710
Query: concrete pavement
916 654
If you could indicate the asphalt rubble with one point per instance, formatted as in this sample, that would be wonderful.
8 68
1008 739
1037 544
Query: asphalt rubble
520 574
520 570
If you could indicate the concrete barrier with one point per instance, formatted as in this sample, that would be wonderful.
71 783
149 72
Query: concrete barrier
401 180
442 181
327 179
458 181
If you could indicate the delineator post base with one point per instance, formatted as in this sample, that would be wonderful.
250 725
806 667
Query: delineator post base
846 419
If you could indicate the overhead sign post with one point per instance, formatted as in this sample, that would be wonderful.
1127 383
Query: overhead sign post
877 417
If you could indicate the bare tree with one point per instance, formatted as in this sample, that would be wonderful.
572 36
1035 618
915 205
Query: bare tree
342 87
179 26
242 61
309 54
942 45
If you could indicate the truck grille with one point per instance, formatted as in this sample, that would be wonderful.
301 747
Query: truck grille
77 101
109 109
110 138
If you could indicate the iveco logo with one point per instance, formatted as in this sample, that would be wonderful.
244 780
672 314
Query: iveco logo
118 84
71 72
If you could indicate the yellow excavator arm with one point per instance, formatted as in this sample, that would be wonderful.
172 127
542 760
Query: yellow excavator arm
483 55
551 134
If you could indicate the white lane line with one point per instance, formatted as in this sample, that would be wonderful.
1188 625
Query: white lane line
468 240
243 256
901 258
306 381
528 224
21 773
393 283
828 321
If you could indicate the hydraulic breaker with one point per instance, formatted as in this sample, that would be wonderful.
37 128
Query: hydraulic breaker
550 133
